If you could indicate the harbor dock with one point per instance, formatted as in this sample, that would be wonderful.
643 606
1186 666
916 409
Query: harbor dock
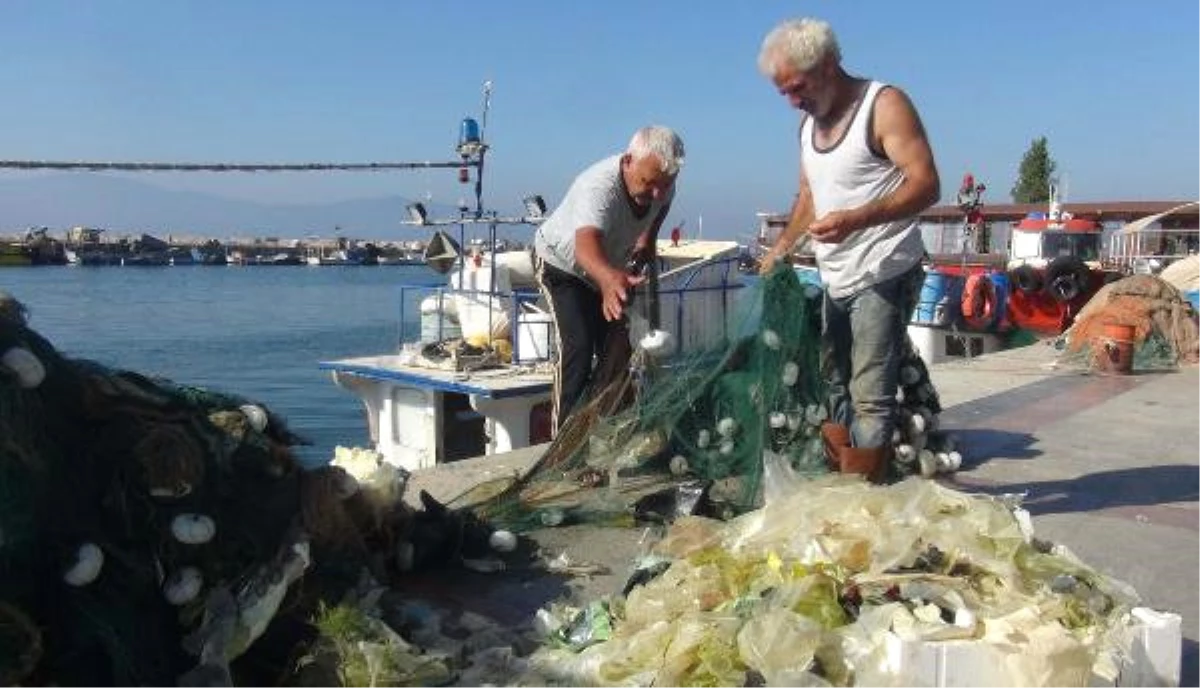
1107 463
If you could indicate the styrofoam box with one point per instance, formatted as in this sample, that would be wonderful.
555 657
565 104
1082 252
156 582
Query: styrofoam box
937 344
1154 658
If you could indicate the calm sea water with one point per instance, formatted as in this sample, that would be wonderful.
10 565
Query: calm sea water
258 332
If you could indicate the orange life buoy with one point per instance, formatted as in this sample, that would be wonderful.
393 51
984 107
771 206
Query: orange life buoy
979 301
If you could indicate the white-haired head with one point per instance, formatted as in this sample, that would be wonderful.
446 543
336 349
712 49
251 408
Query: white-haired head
799 43
661 142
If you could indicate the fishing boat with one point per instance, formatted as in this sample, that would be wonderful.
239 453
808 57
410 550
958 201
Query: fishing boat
14 254
1052 268
477 378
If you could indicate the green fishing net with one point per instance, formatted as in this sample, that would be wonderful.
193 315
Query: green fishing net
691 433
96 466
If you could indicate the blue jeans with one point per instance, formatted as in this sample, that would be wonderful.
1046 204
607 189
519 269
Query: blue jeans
862 346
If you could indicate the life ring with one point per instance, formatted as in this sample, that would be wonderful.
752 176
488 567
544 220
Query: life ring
1026 278
979 301
1066 278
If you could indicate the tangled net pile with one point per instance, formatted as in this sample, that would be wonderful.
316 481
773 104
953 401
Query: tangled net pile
1166 334
151 533
695 435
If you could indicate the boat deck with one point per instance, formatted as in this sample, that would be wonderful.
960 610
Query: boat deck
490 383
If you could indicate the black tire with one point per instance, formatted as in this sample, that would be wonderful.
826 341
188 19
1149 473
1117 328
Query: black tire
1025 278
1066 278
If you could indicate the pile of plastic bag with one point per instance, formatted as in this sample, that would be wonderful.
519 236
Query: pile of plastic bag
836 582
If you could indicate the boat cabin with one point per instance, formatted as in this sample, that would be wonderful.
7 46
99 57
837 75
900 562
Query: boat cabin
1038 241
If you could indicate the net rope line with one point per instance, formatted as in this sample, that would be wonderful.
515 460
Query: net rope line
98 166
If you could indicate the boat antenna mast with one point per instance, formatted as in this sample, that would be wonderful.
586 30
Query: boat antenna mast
472 148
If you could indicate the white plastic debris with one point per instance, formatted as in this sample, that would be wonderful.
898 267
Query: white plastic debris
26 366
777 419
702 438
89 559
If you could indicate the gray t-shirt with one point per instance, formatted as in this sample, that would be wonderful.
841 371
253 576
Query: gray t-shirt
597 199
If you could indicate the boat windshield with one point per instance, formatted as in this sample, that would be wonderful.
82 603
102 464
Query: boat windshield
1081 245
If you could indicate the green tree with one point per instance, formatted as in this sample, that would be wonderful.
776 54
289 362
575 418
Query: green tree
1037 169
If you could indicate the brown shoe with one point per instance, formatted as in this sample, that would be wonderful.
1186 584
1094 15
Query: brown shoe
871 462
836 438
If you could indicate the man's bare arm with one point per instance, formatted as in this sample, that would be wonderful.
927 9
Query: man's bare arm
799 220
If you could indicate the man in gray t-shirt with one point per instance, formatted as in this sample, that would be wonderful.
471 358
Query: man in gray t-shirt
610 216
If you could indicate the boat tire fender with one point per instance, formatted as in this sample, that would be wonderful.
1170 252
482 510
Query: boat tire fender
1026 278
1066 278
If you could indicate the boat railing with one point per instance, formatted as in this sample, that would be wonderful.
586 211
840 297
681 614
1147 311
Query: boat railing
695 304
512 304
1148 251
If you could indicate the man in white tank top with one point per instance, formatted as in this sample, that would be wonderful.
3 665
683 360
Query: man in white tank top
611 215
866 172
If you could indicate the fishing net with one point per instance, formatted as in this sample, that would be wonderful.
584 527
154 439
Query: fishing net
696 433
96 466
155 533
1163 335
125 500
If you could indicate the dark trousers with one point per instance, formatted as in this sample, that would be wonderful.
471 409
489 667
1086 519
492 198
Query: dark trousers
581 332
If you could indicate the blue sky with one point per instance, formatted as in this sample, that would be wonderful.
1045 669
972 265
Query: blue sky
1112 84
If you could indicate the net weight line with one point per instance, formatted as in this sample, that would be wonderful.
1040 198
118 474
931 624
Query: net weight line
229 167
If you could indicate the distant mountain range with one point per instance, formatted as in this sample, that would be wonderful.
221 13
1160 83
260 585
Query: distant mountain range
126 206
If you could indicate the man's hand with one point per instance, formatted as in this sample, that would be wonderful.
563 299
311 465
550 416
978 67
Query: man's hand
834 227
614 291
767 262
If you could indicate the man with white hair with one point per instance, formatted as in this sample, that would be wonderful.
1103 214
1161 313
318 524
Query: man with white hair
866 172
609 219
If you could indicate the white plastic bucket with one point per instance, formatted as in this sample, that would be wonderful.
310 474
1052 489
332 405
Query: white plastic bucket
535 337
483 314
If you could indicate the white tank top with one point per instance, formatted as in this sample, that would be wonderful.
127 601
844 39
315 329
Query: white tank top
846 176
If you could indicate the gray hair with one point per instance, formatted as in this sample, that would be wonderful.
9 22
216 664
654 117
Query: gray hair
659 141
800 43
